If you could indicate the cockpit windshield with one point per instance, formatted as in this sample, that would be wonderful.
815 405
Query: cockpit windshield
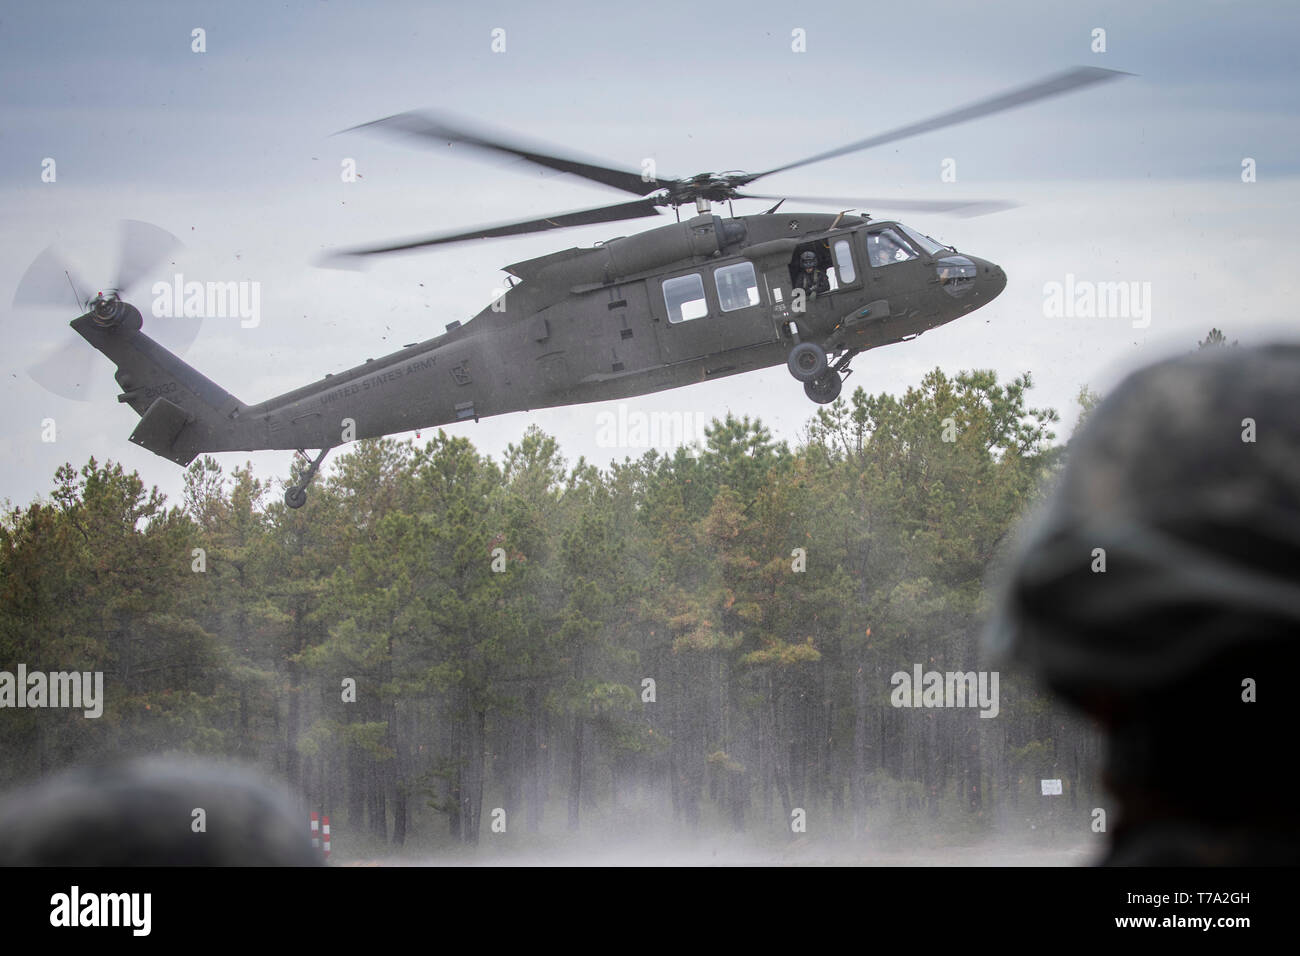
886 246
923 241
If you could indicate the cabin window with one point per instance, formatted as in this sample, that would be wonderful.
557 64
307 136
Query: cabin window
737 286
684 297
886 247
844 261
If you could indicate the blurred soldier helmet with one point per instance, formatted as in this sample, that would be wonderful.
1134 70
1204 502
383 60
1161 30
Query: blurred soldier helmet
142 813
1157 590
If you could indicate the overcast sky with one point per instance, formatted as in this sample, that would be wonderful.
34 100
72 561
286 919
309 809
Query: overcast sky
233 151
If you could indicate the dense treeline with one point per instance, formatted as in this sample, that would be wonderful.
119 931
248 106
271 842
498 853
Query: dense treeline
701 638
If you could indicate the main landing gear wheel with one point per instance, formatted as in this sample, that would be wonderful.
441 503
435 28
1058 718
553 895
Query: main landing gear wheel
824 390
295 496
807 361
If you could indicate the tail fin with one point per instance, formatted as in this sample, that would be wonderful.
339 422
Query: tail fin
182 412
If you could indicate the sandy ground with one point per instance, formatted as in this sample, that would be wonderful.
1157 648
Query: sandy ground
720 853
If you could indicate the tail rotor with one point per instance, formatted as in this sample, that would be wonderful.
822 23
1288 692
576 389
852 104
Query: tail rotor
58 359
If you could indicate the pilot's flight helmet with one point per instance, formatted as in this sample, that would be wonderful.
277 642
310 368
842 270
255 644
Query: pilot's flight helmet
808 260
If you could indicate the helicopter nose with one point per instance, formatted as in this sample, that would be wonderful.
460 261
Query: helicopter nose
992 280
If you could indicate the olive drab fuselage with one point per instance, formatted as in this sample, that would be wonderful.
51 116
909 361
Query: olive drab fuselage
590 325
683 303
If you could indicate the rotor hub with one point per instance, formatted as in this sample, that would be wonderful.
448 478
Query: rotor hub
106 309
710 187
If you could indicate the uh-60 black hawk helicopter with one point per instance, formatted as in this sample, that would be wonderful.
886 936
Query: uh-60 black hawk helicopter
683 303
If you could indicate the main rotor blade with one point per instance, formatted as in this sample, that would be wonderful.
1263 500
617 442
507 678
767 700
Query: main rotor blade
143 247
581 217
444 129
1053 85
963 207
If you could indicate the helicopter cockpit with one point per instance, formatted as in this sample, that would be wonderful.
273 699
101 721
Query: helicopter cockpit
927 244
888 246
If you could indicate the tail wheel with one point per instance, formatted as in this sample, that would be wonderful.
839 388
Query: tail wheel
807 361
824 390
295 497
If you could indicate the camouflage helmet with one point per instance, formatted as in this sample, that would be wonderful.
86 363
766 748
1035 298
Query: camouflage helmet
139 812
1171 542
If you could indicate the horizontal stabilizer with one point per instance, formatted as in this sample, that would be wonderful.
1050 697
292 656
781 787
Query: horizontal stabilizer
158 430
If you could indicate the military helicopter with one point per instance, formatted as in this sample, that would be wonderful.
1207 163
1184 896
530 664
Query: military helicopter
686 302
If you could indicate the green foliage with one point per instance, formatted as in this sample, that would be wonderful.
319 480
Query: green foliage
1088 400
498 619
1214 338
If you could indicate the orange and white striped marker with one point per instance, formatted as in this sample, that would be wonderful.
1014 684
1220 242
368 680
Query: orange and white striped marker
325 836
315 829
